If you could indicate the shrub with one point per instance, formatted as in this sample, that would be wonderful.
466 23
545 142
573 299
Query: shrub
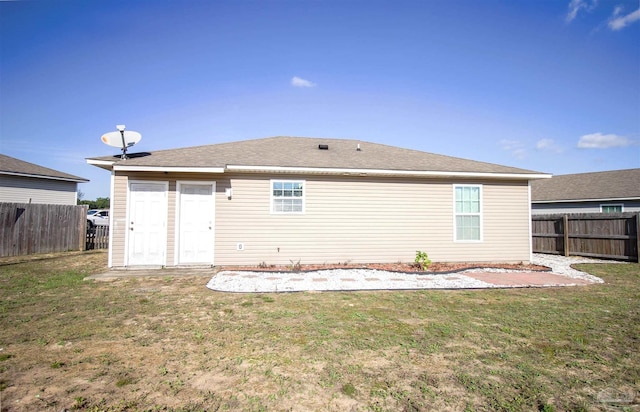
422 259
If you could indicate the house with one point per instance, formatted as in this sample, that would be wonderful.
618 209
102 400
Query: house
24 182
597 192
283 200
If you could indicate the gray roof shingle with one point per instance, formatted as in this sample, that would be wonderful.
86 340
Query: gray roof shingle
614 184
285 151
12 166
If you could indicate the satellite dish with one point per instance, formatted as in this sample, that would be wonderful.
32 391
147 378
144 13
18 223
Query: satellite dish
122 139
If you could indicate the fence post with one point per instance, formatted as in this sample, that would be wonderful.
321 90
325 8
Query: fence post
83 228
565 229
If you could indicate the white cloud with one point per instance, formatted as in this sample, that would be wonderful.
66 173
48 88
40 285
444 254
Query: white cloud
603 141
549 145
576 5
298 82
618 22
515 147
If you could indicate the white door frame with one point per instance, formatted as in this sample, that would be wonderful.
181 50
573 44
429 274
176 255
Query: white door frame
179 184
127 225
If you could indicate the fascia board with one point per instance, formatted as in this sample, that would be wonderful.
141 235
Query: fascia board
66 179
128 168
97 162
604 199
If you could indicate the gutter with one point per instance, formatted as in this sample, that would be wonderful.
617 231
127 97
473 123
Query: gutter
604 199
113 165
65 179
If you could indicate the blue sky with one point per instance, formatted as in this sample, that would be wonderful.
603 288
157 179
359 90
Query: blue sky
551 86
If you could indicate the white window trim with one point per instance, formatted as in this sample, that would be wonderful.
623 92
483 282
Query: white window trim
304 195
612 204
481 214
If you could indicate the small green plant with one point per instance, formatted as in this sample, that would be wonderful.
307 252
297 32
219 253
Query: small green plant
57 365
5 356
79 403
348 389
422 259
295 266
123 381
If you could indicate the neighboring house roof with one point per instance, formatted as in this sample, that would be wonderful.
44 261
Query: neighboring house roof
610 185
16 167
302 155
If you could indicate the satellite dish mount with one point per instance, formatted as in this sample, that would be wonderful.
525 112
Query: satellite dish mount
121 128
122 139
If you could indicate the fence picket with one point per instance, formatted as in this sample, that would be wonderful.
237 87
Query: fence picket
604 235
97 237
27 228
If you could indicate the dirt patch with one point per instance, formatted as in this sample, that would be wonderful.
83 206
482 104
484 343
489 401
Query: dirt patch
436 267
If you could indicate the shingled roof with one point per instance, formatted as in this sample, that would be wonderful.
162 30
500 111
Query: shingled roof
305 153
614 184
16 167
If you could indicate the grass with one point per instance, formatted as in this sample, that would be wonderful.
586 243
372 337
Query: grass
170 344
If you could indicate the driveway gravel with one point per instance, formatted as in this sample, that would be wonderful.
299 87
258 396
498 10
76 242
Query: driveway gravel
561 274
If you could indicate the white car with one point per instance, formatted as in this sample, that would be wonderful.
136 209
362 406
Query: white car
98 217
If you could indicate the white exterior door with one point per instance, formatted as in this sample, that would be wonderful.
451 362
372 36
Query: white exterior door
147 226
196 217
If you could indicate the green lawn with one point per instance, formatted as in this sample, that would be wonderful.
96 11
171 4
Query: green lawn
170 344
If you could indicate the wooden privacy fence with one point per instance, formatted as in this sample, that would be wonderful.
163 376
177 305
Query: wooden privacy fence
27 228
97 237
599 235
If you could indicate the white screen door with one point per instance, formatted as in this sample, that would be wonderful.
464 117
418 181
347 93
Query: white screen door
196 223
146 226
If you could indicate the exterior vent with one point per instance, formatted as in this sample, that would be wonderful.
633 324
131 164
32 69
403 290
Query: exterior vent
323 146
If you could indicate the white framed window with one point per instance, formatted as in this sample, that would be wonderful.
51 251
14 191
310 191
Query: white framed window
287 196
612 208
467 212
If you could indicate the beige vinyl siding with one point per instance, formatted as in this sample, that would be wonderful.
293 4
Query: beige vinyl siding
19 189
346 219
171 224
119 206
505 226
366 220
119 223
